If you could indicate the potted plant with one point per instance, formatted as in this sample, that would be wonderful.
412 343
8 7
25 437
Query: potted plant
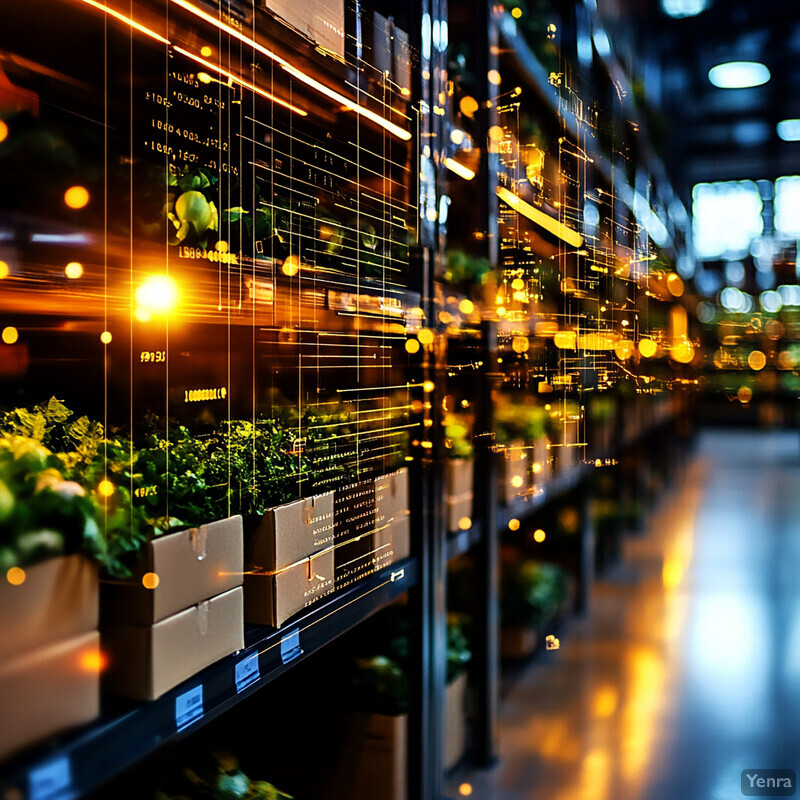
532 594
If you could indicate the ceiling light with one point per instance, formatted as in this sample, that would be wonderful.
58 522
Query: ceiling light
738 75
684 8
789 130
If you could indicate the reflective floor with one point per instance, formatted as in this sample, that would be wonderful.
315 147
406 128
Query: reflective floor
687 669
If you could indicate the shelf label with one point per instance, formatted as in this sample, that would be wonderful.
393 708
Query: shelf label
246 672
188 707
397 575
290 646
51 781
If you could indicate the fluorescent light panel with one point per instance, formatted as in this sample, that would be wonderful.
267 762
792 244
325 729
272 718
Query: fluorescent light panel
739 75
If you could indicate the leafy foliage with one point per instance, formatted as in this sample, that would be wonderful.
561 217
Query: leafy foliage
531 592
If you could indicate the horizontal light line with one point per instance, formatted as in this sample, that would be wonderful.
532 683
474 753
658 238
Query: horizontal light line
566 234
314 84
127 20
252 87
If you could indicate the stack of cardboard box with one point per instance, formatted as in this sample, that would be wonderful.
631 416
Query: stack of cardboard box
180 611
289 560
50 660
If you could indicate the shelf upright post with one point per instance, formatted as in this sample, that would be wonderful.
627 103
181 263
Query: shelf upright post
487 589
427 645
487 563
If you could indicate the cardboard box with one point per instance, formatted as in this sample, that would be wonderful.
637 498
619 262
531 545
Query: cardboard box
49 690
190 566
145 661
455 720
391 495
374 761
458 509
321 20
518 643
291 532
270 598
392 516
57 600
459 476
354 532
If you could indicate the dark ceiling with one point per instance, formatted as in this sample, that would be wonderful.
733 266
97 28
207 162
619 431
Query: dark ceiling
722 134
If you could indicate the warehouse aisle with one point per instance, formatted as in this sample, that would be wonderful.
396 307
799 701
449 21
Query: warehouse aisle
687 670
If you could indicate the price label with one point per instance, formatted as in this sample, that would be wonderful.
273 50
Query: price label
51 781
246 672
290 646
188 707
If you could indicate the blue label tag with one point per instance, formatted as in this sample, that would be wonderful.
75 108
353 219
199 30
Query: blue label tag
290 646
51 781
246 672
189 707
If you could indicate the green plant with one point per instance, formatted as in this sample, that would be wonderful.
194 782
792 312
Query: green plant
457 437
531 592
216 776
519 420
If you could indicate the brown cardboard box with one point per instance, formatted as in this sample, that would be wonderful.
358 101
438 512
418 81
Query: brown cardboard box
270 598
458 509
145 661
320 20
291 532
518 643
57 600
48 690
354 532
455 720
392 521
391 495
374 762
459 476
191 566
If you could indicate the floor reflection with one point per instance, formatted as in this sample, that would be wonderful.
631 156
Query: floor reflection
687 670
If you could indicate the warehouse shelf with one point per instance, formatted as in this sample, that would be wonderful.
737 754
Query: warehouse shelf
124 736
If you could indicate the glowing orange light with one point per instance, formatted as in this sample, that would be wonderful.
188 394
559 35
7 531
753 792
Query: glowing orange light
605 701
516 13
565 340
127 20
4 270
465 523
76 196
105 337
539 535
206 51
745 394
496 133
675 284
3 131
16 576
10 335
494 77
537 467
465 790
647 347
105 488
291 266
756 360
551 225
425 336
73 270
468 105
517 481
158 294
428 386
150 580
466 306
460 169
412 346
513 524
93 661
